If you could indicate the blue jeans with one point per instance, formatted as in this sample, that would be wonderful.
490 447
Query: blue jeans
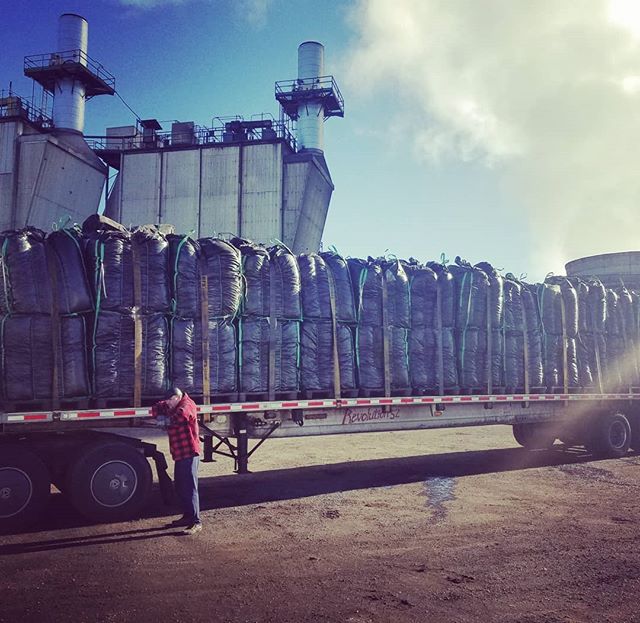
185 478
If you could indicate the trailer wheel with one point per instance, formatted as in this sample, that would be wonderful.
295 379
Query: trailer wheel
25 487
534 436
634 423
109 481
610 436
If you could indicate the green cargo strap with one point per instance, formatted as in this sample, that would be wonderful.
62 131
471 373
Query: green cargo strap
5 276
174 300
98 285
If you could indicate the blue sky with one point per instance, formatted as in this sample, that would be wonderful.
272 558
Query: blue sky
498 130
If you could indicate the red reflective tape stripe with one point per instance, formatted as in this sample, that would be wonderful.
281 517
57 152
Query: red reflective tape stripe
316 403
221 408
447 399
518 397
485 398
290 405
249 406
502 397
466 398
564 396
34 416
406 400
83 414
363 402
124 413
427 399
534 397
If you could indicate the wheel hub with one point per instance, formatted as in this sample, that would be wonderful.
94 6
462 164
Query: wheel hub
16 491
618 435
113 483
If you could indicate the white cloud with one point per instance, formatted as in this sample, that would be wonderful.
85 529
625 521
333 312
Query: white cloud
254 12
544 92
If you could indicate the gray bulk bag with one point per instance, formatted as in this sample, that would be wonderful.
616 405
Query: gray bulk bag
187 356
317 356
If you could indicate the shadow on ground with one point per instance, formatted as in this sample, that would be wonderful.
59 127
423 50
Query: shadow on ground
300 482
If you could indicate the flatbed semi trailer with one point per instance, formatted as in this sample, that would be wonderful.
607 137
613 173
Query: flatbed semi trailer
100 459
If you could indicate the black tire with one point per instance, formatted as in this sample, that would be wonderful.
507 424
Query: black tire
25 487
610 436
109 481
534 436
634 422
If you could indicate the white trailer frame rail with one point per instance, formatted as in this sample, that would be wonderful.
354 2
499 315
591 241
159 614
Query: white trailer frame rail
295 418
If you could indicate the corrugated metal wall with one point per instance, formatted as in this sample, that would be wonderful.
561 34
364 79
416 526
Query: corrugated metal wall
241 189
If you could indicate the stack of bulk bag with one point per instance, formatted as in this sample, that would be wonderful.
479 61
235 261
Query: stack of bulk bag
523 369
381 292
471 288
424 338
628 332
132 294
558 305
269 324
327 358
495 329
206 286
44 295
445 326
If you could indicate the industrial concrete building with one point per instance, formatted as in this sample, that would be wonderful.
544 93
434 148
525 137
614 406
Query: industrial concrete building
613 269
47 171
249 178
263 178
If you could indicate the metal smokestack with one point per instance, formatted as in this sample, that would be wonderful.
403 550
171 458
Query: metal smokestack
310 112
69 94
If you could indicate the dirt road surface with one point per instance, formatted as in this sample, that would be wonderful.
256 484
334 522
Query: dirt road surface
423 526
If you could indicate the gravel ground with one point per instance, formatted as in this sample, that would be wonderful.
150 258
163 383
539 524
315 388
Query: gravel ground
451 525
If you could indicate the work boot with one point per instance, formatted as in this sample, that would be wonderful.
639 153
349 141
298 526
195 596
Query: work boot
193 528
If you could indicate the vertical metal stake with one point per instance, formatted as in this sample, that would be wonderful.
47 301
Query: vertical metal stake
242 442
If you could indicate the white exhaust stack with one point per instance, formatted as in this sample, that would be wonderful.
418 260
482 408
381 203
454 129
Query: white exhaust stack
310 112
69 94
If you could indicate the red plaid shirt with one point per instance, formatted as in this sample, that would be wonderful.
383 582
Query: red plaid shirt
184 439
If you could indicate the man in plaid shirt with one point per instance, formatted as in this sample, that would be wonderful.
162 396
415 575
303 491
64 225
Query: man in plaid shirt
180 415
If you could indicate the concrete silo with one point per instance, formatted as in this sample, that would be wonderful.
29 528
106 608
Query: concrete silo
47 170
612 268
